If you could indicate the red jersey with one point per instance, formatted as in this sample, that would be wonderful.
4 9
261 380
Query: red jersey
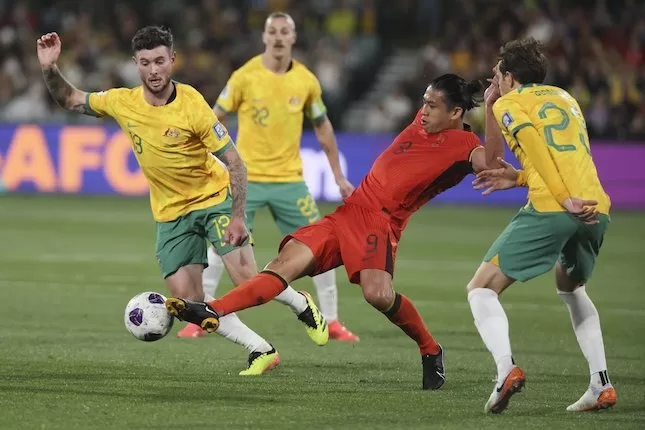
416 167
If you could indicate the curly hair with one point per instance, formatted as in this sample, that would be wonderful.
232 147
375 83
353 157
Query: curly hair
151 37
524 60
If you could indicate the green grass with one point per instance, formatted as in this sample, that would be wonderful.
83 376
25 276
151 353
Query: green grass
69 265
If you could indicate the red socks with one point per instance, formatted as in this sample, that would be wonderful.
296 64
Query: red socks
258 290
407 318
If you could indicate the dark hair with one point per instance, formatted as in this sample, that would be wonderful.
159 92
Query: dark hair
458 92
151 37
524 60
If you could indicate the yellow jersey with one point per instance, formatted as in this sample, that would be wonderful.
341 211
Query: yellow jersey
173 145
546 131
271 108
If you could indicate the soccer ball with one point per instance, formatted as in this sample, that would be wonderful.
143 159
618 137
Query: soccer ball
146 317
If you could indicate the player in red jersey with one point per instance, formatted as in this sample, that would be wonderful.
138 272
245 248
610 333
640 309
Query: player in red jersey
434 153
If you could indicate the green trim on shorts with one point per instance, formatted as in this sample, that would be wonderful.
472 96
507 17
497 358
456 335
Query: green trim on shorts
534 241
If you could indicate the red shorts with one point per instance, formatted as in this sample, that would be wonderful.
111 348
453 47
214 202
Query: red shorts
354 236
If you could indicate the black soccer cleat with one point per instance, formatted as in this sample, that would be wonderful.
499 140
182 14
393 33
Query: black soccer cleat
199 313
433 370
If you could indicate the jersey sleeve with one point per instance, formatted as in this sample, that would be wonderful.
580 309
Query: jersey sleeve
103 103
230 98
510 115
315 108
210 130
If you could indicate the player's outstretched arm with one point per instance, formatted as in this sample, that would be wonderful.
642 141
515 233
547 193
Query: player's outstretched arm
327 138
65 94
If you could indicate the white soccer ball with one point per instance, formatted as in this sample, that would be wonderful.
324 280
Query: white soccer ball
146 317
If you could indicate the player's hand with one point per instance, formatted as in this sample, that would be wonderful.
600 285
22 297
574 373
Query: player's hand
48 48
584 210
492 92
491 180
345 187
236 232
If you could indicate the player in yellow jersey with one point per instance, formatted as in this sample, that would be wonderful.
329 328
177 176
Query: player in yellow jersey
271 94
562 225
176 139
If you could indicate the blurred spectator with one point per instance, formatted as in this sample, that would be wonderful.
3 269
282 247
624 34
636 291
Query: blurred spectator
596 50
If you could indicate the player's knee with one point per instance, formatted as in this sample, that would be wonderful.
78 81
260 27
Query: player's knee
379 295
564 282
490 276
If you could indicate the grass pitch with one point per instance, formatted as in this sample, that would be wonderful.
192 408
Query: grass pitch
68 266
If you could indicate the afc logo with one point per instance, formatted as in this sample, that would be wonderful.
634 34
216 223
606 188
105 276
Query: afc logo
403 147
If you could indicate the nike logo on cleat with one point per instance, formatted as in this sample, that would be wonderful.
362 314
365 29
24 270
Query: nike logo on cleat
500 388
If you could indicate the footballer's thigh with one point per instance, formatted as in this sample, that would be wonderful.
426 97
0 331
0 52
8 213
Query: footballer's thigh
528 247
181 254
578 257
367 241
257 197
292 206
310 250
240 264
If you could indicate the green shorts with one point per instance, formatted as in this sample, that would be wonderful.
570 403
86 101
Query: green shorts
533 242
184 241
290 203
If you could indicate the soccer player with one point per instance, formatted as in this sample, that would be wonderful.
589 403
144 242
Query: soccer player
562 225
271 93
434 153
175 138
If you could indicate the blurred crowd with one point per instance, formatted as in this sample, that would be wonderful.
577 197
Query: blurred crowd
596 49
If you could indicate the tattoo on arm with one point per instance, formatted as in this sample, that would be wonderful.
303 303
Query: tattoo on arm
62 91
237 172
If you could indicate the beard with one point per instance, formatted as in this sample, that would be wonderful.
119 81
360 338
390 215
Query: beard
157 89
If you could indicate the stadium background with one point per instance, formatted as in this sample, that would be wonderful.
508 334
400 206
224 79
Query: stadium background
73 243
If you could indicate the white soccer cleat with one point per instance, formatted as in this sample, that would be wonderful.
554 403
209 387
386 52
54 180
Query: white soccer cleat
499 398
595 399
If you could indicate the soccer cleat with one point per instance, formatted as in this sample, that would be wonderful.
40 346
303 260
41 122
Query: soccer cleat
339 332
261 362
198 313
191 331
595 399
433 371
314 321
499 398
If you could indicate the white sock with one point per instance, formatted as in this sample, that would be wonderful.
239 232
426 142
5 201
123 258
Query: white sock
213 273
327 294
293 299
492 324
233 329
586 325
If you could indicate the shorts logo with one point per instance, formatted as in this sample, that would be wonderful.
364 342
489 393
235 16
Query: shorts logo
507 119
171 132
220 130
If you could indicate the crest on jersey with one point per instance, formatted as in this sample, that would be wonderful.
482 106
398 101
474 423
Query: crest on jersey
171 132
220 130
294 100
507 119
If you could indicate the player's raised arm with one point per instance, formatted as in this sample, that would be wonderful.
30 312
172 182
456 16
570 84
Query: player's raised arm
65 94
